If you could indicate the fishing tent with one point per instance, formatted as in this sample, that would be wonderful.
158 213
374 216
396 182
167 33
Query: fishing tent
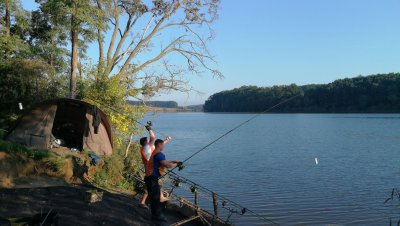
65 122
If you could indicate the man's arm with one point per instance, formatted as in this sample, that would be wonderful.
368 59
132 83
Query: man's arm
167 139
151 134
169 164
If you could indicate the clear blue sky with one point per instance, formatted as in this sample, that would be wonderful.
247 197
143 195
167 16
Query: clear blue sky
275 42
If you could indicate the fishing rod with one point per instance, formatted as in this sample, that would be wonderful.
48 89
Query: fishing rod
177 179
180 165
223 198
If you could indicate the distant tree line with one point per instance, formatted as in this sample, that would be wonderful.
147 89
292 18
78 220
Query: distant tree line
159 104
370 94
193 108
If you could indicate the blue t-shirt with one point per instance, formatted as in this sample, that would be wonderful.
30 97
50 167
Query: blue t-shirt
157 159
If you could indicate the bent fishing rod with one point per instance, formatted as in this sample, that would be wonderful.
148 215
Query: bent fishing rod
180 166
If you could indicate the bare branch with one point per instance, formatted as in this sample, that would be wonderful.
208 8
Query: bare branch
115 32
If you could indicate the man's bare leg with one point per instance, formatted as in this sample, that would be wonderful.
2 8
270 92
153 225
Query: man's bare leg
143 199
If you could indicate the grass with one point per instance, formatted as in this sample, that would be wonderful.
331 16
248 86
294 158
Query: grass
11 148
118 173
3 133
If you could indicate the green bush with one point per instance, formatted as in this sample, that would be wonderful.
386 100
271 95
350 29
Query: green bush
118 172
11 148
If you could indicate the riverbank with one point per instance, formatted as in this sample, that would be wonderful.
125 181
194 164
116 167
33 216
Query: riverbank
70 205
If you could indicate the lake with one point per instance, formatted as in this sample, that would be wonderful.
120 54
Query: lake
268 165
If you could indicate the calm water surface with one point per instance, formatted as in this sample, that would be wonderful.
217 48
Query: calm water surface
268 164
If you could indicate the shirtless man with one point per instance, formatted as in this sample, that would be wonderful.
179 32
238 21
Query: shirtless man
146 149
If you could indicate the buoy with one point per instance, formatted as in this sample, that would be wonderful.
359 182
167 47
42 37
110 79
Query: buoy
316 161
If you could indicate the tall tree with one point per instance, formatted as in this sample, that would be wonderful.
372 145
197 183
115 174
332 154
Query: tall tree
138 42
48 41
7 17
151 47
14 20
80 18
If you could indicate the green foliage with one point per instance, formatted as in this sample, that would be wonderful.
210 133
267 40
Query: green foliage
28 82
13 26
11 148
118 172
111 96
375 93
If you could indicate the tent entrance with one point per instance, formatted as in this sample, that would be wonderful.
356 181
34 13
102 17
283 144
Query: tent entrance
69 125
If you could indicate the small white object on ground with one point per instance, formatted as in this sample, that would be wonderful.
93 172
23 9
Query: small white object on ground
20 106
316 161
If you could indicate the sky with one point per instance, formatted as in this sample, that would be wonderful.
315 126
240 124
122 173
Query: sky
279 42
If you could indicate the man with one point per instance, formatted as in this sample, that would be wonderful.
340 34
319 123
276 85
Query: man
154 170
146 148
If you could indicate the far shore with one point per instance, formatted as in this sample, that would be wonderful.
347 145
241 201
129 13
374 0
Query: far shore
182 109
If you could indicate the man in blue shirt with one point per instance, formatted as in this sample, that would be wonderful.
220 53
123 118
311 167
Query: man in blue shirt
154 170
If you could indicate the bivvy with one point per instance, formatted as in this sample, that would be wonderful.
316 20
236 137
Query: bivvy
194 187
68 123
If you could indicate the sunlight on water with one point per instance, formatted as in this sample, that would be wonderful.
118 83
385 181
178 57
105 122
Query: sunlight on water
269 165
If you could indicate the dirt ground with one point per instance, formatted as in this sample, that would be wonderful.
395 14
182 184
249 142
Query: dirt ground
69 202
69 166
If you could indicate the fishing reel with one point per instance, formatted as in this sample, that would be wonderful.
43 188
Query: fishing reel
177 183
180 166
193 189
223 203
148 125
244 210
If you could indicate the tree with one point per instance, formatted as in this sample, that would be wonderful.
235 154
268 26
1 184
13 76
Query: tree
136 62
79 17
7 18
48 41
14 21
374 93
137 26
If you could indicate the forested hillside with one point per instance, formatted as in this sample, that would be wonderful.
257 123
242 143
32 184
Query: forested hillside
375 93
159 104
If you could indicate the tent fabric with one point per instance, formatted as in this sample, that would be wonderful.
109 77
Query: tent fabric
95 141
36 127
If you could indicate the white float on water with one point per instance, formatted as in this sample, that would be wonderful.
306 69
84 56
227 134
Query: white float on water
316 161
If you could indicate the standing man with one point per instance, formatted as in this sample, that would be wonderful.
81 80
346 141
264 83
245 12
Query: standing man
146 149
154 170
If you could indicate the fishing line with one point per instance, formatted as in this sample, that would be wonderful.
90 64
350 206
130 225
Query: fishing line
221 197
224 201
233 129
211 143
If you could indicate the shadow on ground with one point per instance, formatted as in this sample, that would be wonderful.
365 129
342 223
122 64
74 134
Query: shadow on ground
70 204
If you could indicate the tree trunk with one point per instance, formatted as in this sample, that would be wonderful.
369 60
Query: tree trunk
101 52
7 18
128 146
74 60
